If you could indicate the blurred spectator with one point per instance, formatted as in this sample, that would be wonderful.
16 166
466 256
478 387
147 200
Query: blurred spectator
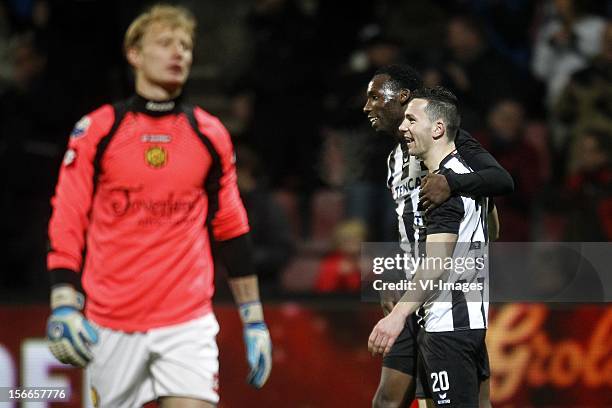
18 18
350 138
504 138
283 46
564 44
28 61
29 159
590 188
345 40
5 65
27 15
31 131
587 99
505 25
404 20
346 98
84 45
270 230
473 71
340 269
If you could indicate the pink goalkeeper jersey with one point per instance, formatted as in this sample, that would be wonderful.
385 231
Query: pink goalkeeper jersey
140 186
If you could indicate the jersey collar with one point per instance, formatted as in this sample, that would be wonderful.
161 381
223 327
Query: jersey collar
446 160
155 108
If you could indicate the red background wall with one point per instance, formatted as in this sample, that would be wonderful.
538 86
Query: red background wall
539 356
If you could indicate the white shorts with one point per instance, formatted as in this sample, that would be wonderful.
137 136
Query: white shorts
130 369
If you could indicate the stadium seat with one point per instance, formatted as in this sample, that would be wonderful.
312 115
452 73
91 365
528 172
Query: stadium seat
327 209
537 136
289 202
301 274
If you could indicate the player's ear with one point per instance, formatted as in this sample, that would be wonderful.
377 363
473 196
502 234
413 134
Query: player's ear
439 129
404 95
133 56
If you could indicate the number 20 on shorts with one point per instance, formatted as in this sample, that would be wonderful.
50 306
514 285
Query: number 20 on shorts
440 381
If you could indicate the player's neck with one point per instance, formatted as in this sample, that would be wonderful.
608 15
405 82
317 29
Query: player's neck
155 92
437 153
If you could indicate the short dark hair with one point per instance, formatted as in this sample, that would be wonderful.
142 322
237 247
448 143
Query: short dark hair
402 76
441 104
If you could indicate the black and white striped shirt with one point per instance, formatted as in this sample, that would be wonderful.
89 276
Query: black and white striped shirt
405 174
463 216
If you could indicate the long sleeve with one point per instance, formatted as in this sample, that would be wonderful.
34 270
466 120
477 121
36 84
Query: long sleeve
74 192
230 217
489 178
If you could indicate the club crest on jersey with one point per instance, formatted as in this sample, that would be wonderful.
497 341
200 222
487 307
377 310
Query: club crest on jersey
156 157
81 127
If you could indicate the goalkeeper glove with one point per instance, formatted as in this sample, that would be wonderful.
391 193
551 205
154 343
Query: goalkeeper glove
69 334
258 343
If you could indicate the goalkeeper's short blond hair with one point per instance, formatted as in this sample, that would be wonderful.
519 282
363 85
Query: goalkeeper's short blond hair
171 16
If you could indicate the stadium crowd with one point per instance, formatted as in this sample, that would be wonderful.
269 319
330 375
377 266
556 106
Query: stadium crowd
534 80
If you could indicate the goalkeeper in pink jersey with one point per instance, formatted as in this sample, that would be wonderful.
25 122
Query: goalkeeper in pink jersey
146 187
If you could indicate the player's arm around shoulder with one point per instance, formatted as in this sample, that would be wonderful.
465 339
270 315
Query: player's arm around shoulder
488 179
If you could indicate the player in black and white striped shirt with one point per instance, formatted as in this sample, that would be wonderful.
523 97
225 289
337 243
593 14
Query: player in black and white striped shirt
387 96
452 346
465 218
